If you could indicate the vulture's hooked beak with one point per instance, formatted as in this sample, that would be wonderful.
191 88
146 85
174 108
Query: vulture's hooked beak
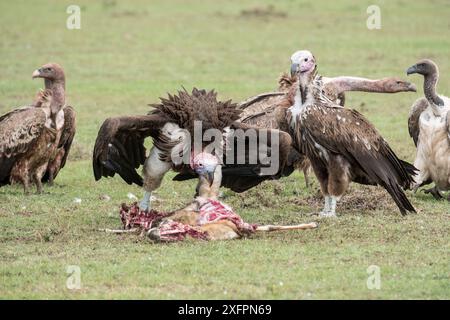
294 69
36 74
412 87
411 70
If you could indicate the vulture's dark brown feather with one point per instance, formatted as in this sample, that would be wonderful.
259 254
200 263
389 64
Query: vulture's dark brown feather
58 161
119 147
184 109
347 133
19 130
240 177
413 120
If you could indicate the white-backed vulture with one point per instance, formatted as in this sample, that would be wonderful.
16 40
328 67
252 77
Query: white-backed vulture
268 110
119 147
340 143
429 126
20 137
55 80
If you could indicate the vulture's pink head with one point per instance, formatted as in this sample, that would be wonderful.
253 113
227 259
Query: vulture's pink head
302 62
50 71
205 164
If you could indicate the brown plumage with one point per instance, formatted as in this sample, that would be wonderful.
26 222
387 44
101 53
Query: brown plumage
47 119
59 157
27 140
341 144
119 147
268 110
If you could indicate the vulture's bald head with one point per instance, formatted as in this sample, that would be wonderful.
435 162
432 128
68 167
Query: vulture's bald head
50 71
205 164
302 62
424 67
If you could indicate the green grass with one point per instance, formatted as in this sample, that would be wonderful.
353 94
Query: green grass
125 56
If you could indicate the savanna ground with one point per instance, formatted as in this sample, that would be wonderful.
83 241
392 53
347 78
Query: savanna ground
126 55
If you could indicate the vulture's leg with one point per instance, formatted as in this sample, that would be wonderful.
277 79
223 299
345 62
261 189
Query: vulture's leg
38 183
154 171
306 175
434 192
37 177
338 182
322 176
326 211
26 185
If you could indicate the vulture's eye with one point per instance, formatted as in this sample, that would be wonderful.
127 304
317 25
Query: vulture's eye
306 59
48 69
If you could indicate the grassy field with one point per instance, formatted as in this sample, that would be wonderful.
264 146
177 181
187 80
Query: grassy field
125 56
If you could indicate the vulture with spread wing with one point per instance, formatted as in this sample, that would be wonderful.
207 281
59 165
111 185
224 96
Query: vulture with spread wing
268 110
35 140
429 126
341 144
182 126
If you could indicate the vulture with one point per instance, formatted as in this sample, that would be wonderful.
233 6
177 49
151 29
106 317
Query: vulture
429 126
35 140
268 110
174 126
340 143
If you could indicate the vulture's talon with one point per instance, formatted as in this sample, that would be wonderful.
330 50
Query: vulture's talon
434 192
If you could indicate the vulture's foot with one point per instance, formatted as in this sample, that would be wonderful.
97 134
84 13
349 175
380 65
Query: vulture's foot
327 214
145 204
329 209
434 192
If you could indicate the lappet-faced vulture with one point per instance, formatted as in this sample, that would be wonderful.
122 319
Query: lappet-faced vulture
268 110
176 125
342 145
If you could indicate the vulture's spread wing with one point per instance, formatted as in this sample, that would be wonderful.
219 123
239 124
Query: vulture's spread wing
275 144
413 121
68 132
19 129
119 147
246 166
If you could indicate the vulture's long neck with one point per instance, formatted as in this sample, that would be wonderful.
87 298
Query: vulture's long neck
362 84
305 87
304 95
58 89
429 89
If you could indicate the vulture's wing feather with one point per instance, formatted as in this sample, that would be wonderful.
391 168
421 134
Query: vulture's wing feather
241 175
19 129
414 115
348 133
119 147
65 142
261 100
447 119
